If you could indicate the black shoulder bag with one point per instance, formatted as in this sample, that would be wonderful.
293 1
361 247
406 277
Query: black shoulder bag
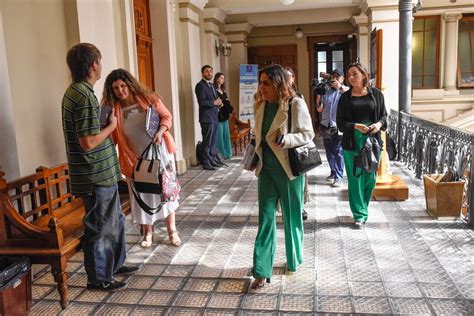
302 158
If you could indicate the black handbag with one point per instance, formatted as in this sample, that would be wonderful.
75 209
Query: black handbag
368 156
302 158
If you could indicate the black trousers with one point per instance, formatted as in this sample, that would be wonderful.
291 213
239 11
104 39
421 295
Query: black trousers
208 132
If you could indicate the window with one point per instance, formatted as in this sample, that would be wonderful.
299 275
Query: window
425 52
466 52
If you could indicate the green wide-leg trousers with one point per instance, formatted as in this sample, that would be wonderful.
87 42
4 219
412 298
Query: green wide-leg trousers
360 187
273 187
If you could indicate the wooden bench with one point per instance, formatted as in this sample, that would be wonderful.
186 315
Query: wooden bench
239 133
40 218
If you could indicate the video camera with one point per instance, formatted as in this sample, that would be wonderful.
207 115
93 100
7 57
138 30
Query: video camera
320 87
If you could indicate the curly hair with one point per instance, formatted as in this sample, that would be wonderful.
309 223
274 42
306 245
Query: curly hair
278 77
136 88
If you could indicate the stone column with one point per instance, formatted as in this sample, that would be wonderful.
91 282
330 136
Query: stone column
213 22
166 69
189 70
451 49
237 36
361 24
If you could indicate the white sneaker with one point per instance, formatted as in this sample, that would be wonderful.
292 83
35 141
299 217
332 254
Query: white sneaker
337 183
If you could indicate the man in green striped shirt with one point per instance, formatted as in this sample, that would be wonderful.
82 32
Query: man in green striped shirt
94 171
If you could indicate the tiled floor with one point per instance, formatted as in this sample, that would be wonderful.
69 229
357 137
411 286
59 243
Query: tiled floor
403 262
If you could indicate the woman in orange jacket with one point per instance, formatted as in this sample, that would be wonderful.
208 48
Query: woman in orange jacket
131 101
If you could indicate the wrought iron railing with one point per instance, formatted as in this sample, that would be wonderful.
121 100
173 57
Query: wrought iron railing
428 147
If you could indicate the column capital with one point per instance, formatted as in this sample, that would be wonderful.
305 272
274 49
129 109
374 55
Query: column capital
214 14
238 28
360 23
195 4
452 16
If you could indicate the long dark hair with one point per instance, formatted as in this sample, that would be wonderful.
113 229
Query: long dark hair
80 58
216 76
277 75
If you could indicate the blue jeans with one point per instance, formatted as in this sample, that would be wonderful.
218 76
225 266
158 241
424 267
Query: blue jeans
333 148
103 241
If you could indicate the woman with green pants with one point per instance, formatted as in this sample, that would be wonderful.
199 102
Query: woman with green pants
360 112
276 183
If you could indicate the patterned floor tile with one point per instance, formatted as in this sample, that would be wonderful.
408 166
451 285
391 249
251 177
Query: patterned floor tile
178 271
191 299
80 309
440 290
367 289
364 275
93 296
452 307
334 304
126 297
140 282
432 276
297 303
237 286
115 310
72 293
332 288
403 289
200 285
230 300
372 305
39 291
397 275
151 270
161 298
217 312
261 302
165 283
411 306
148 311
46 308
299 287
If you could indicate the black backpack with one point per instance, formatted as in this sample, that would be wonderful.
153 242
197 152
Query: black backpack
200 152
367 158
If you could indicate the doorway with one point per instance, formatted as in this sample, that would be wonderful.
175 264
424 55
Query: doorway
141 9
327 53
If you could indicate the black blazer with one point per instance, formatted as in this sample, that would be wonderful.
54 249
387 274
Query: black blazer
205 96
345 120
226 109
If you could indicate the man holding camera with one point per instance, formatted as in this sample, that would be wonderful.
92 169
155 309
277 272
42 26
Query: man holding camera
326 104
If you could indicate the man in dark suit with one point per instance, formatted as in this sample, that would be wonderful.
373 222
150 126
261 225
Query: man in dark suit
209 105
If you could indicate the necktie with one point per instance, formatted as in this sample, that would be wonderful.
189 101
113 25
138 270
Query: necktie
213 90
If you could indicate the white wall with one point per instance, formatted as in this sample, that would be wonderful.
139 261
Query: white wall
36 46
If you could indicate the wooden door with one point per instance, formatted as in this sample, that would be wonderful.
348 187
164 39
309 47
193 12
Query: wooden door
144 43
376 38
284 55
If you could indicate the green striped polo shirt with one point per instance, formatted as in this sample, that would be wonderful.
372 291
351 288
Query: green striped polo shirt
98 166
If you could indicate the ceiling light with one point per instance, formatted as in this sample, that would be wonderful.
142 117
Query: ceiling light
287 2
299 32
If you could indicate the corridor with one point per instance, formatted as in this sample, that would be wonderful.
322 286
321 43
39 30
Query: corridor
403 262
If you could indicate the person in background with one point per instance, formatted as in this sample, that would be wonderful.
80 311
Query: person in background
94 172
326 104
223 143
361 111
209 104
130 100
290 75
276 183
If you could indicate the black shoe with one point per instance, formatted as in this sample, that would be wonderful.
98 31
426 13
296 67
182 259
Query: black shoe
208 167
127 270
358 224
111 286
305 215
216 164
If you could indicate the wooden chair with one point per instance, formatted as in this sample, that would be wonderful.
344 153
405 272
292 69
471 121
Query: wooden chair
239 133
